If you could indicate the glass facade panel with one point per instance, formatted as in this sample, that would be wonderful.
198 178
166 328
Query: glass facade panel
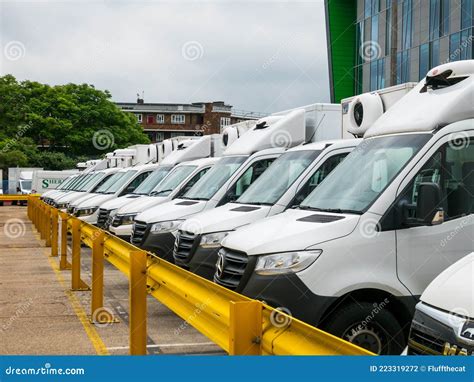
434 53
424 60
375 29
407 23
466 14
454 47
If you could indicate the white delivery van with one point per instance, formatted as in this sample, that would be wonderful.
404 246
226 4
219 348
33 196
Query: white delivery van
49 180
242 163
179 181
74 187
285 184
361 248
60 187
123 182
444 317
69 185
92 183
193 149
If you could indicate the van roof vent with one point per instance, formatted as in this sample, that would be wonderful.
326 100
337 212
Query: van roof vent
441 80
261 125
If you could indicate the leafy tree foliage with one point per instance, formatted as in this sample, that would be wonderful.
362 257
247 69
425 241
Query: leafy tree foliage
52 126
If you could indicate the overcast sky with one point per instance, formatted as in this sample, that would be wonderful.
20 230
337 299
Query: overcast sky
255 55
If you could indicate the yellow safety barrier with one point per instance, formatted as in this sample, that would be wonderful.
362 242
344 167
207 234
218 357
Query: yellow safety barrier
14 198
238 324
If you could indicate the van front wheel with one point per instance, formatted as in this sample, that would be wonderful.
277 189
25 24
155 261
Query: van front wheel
368 326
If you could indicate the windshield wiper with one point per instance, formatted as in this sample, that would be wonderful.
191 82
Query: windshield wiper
332 210
260 203
154 193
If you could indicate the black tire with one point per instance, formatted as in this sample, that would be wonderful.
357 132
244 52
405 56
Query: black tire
369 326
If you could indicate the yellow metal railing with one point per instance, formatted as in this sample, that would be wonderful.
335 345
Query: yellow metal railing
238 324
13 198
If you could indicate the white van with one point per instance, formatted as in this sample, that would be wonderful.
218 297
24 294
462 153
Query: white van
242 163
123 182
359 251
90 185
179 181
69 184
285 184
444 317
197 148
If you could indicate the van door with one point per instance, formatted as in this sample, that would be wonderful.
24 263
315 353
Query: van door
424 251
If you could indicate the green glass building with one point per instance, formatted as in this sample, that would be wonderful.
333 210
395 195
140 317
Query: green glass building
373 44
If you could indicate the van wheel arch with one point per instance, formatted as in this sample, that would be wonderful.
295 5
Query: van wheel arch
401 308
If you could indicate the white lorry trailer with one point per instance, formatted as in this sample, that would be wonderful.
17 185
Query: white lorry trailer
49 180
373 235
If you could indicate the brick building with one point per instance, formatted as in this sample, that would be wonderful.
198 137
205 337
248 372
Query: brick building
165 120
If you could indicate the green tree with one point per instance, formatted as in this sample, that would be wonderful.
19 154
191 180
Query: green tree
72 120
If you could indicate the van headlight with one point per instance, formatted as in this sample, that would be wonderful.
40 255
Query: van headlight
286 262
168 226
213 240
126 219
85 211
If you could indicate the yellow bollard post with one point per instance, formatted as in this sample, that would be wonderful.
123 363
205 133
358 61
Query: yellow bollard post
54 232
63 263
99 314
48 227
76 283
37 206
41 222
245 328
138 308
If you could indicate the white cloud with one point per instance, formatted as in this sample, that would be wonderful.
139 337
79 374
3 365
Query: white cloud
257 55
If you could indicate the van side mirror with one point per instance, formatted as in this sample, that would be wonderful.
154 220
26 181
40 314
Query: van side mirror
428 208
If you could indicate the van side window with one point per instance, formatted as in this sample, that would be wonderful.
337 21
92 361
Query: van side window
321 173
191 182
135 183
246 179
452 168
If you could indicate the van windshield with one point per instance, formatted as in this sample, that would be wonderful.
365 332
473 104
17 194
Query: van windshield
209 184
116 186
281 174
89 182
358 181
152 181
173 180
108 183
75 183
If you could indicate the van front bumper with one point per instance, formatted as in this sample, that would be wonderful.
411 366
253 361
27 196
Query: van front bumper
161 244
289 293
203 262
124 232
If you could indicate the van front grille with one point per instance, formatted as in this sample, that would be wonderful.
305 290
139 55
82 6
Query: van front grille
230 268
184 246
139 231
